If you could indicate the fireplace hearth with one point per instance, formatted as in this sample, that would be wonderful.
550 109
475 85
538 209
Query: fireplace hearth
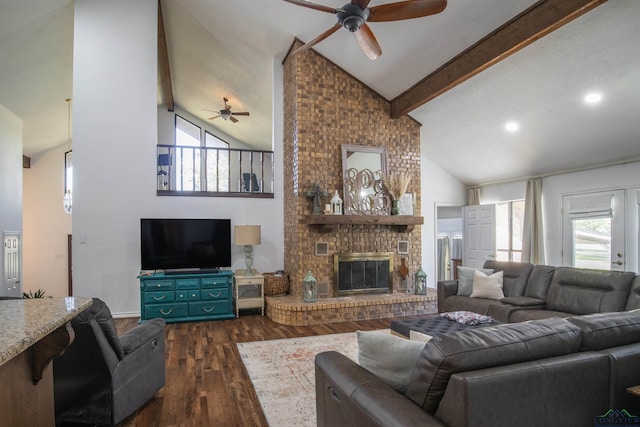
363 273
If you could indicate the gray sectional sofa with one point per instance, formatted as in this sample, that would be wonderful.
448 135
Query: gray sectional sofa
564 355
541 291
548 372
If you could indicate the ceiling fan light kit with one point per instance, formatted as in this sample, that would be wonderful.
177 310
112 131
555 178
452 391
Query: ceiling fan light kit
226 112
355 15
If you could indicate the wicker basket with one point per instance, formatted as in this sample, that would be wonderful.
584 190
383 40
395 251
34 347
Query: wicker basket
276 283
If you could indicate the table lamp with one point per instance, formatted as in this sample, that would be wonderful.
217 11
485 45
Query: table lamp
247 235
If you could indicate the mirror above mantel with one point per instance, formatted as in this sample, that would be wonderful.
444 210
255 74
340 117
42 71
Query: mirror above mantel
363 168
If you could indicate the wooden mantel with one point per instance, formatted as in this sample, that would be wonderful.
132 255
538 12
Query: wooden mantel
402 223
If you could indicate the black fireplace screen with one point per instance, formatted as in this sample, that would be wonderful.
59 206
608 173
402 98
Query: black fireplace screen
363 274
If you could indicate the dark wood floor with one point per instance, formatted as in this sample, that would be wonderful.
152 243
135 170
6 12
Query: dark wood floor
206 382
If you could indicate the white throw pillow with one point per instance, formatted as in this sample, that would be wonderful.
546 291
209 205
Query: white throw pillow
465 279
388 357
489 287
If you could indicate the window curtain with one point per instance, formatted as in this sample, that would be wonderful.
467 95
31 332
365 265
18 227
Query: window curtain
533 232
444 270
474 196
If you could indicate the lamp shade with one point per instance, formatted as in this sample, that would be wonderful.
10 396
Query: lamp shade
247 234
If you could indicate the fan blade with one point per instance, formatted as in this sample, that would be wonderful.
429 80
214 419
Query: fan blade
406 10
318 39
243 113
362 4
214 117
312 5
233 119
368 42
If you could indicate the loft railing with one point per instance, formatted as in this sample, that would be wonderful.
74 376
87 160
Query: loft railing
207 171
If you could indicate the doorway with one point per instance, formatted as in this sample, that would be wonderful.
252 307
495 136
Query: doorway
449 241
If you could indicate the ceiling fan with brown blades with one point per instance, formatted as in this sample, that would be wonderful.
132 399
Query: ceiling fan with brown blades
355 15
226 112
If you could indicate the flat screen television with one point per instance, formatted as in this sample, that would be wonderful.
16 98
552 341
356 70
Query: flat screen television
183 244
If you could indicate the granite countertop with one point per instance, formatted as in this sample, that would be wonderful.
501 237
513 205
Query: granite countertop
23 322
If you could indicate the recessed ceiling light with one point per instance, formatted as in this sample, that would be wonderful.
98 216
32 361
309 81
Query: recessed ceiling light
593 98
512 126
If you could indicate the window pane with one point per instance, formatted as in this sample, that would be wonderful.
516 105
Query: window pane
517 222
502 255
187 134
516 256
502 226
213 141
592 243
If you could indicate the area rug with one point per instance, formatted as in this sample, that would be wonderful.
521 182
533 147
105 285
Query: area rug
283 376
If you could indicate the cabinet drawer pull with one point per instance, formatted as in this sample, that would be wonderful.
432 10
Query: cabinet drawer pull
209 310
159 285
160 299
167 313
216 295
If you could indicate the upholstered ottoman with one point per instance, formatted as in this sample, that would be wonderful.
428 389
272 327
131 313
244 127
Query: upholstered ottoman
425 328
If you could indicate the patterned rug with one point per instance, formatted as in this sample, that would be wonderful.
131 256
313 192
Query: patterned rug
283 376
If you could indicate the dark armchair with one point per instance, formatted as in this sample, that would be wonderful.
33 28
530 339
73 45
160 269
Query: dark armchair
102 378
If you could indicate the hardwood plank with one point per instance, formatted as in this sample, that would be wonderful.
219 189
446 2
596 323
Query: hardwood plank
539 20
207 383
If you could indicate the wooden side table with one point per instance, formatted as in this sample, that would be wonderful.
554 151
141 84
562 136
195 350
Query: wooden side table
248 291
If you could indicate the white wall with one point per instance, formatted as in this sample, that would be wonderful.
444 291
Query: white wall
438 188
46 225
115 125
10 182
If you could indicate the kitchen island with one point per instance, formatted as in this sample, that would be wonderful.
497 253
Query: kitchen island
32 333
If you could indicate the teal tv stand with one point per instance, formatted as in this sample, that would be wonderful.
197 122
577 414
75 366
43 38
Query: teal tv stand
186 297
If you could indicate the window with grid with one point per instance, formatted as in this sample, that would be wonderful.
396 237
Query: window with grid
509 222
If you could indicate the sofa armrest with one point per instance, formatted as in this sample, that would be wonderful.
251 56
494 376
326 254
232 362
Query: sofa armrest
348 394
134 338
446 288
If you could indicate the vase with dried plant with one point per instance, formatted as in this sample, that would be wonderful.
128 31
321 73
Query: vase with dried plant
396 185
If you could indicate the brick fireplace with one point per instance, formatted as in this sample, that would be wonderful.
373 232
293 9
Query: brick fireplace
324 108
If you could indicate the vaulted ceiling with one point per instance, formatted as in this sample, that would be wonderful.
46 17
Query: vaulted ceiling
228 49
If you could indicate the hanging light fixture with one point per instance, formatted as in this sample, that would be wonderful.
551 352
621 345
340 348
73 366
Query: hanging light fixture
67 201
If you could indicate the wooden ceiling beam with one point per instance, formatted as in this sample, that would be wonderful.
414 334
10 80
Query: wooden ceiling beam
163 62
534 23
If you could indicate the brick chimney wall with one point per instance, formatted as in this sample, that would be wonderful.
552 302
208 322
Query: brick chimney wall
324 108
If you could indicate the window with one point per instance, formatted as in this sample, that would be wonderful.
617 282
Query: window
592 243
509 221
217 163
187 159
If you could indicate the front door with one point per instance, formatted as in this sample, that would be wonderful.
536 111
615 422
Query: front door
594 230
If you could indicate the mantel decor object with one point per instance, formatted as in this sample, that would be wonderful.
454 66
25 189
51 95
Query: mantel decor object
247 235
336 204
396 185
420 282
317 194
309 288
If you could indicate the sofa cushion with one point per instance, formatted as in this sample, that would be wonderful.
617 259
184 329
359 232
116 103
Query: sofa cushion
484 348
388 357
516 275
633 301
489 287
539 281
522 301
536 314
586 291
606 330
465 279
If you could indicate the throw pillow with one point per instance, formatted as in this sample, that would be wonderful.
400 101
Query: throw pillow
465 279
388 357
489 287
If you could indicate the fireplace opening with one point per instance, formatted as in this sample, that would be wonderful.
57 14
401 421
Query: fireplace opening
363 273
